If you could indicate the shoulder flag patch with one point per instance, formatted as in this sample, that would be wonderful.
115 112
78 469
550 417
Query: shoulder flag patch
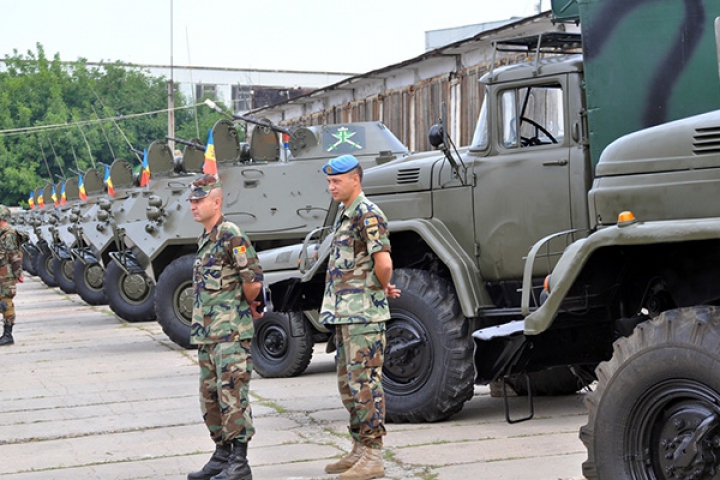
371 221
240 249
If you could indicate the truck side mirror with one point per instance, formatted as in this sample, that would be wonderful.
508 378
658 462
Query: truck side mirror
436 136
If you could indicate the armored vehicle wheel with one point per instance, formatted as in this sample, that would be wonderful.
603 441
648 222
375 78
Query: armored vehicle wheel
29 263
174 300
554 381
428 371
88 278
654 414
63 274
131 297
44 267
276 353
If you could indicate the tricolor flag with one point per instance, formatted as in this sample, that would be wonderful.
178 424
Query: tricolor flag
81 188
31 200
108 181
55 197
210 165
63 195
41 198
145 172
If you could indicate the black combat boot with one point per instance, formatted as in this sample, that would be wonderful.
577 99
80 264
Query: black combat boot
215 465
7 338
237 467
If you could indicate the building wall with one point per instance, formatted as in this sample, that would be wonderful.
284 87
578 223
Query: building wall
409 97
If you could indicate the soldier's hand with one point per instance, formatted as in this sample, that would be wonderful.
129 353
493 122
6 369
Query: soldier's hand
21 278
391 291
254 310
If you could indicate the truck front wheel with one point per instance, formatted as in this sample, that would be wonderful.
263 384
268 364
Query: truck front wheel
655 412
130 296
44 267
64 274
276 353
428 370
174 300
88 279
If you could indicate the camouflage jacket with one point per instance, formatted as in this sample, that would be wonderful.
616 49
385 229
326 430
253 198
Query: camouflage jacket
353 293
10 262
225 260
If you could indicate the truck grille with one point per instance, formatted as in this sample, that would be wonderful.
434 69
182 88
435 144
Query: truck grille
408 175
706 141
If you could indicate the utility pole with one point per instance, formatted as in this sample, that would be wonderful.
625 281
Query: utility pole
171 89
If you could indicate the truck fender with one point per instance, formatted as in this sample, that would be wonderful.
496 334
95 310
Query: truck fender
466 277
576 255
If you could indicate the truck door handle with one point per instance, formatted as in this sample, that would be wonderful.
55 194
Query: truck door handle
558 163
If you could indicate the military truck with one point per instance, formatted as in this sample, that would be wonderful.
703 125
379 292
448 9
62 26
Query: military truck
637 300
462 222
275 201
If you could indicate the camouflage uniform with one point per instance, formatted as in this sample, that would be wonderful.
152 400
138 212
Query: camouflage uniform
222 327
355 304
10 270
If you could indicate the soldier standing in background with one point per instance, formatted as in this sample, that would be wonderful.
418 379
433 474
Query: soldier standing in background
355 304
227 278
10 273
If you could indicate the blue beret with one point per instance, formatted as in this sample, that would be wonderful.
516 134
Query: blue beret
339 165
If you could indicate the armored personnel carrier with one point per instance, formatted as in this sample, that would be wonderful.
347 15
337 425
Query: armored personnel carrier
130 292
275 202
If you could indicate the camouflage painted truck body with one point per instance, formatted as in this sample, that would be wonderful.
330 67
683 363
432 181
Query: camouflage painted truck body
636 301
461 224
275 202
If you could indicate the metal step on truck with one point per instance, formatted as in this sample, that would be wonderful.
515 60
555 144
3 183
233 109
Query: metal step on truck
463 220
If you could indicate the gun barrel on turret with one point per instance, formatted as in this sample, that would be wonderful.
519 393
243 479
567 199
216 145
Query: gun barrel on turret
262 123
188 143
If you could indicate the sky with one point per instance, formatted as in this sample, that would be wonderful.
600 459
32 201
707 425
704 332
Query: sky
351 36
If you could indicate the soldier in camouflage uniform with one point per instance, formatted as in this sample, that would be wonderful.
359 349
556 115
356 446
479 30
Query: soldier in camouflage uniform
355 304
227 278
10 273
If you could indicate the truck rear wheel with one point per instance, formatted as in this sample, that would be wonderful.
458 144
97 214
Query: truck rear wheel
276 353
131 297
654 414
44 267
428 370
29 261
174 300
63 274
88 278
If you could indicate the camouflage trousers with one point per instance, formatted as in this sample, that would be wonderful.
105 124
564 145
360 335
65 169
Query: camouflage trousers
9 313
225 371
359 361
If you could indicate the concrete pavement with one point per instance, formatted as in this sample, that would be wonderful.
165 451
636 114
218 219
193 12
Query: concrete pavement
84 395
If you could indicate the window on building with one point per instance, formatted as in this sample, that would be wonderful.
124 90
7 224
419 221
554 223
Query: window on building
242 98
205 90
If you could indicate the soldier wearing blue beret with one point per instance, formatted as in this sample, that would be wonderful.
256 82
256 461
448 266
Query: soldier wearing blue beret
355 306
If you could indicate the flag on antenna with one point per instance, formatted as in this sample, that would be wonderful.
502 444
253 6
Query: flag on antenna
108 181
41 198
63 195
210 165
81 187
54 197
145 172
31 200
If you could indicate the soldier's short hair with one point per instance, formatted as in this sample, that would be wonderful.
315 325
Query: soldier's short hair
5 213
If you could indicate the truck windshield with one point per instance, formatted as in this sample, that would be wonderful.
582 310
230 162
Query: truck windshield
480 139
